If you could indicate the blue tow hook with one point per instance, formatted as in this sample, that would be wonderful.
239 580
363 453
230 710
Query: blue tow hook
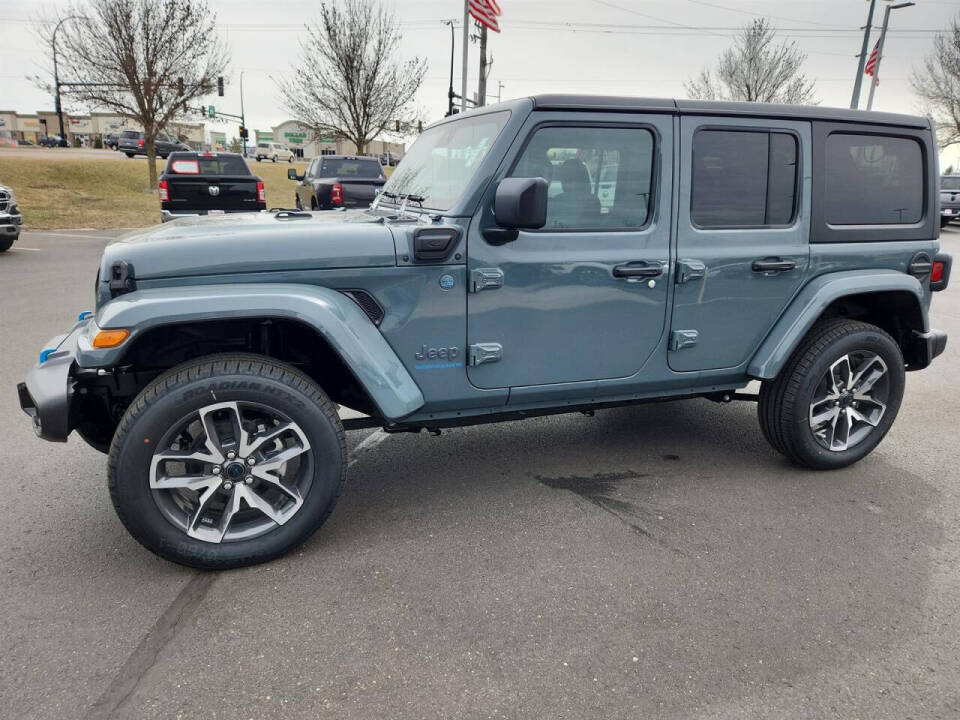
46 353
84 315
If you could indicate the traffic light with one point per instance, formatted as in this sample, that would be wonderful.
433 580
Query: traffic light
179 87
220 86
419 126
398 126
244 133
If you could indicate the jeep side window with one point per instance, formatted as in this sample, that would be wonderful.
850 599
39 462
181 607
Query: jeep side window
743 179
599 177
873 180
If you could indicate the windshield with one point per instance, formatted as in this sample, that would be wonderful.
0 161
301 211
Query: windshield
351 168
950 183
440 164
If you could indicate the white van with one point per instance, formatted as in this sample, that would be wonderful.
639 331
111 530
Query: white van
273 151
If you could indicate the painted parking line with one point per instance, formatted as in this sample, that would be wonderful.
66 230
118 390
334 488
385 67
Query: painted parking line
74 235
367 444
20 247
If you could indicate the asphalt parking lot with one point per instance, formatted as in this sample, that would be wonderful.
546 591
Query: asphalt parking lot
656 561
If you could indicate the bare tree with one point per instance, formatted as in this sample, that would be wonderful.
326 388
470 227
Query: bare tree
350 81
937 84
142 59
756 69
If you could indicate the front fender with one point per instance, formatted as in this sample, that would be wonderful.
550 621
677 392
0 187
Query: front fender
333 315
809 304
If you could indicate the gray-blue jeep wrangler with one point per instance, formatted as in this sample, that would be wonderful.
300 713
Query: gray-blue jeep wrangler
550 254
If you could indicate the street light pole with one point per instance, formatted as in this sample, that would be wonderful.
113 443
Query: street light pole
453 42
883 37
56 78
466 42
855 100
243 121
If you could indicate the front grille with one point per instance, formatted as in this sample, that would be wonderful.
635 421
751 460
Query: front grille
4 200
367 303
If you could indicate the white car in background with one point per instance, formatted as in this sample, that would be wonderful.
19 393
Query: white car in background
273 151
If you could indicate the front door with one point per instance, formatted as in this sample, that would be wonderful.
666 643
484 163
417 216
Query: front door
743 225
583 298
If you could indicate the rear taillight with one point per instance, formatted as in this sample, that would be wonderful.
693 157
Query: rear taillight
164 191
936 272
336 194
261 193
140 142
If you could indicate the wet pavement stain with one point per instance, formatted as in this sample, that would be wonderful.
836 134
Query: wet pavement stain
604 491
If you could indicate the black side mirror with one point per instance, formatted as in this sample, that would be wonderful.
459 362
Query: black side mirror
520 204
292 174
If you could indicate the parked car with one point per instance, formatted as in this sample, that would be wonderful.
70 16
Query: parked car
337 181
273 151
111 140
26 143
10 218
208 184
390 159
795 246
949 199
133 143
52 141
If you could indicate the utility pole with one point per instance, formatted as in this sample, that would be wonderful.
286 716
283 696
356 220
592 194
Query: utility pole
466 42
482 86
883 37
243 120
855 100
453 42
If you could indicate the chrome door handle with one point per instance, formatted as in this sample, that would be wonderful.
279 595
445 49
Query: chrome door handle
638 269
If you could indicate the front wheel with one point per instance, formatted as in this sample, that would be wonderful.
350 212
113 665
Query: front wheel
837 396
274 158
290 159
944 221
129 155
227 461
7 243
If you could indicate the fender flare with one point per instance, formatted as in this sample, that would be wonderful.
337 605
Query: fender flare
330 313
809 304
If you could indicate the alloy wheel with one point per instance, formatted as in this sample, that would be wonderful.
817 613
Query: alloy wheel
849 401
231 471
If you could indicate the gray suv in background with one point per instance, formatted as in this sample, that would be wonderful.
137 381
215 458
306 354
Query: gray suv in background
10 218
949 199
132 143
558 253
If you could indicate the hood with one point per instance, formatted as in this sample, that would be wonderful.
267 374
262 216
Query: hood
253 242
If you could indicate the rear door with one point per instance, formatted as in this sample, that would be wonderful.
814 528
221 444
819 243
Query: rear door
583 298
742 236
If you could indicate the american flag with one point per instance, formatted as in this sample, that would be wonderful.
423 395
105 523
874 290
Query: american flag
871 67
485 12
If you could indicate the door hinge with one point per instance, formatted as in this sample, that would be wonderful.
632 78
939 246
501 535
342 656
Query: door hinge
688 270
481 353
680 339
485 279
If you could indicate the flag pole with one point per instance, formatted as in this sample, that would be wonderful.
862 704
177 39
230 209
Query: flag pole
883 36
855 100
466 42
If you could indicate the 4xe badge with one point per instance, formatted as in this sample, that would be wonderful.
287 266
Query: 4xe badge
446 282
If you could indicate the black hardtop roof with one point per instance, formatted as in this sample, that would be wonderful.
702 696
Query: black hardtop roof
614 103
348 157
203 153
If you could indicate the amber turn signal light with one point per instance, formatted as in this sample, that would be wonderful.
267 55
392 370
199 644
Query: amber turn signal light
110 338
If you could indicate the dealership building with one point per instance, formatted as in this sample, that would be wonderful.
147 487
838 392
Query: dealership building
85 129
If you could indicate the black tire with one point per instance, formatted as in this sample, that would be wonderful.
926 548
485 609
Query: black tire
944 221
274 158
784 407
290 159
259 158
182 391
7 243
297 203
129 155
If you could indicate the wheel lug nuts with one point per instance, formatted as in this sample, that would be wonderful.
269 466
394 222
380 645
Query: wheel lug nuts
248 479
216 469
227 485
231 455
251 461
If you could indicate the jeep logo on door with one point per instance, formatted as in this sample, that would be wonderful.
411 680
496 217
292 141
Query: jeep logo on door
214 190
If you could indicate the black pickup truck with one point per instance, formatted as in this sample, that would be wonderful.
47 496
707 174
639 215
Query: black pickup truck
202 183
338 181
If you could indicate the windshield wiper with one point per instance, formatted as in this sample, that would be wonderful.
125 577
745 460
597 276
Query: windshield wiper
403 198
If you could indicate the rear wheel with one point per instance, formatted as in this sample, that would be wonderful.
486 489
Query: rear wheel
837 396
129 155
290 159
7 243
227 461
944 221
274 158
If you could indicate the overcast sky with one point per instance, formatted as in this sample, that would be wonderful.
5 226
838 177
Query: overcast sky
629 47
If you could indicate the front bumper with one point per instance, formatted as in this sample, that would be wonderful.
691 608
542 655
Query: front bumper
10 223
927 346
168 215
47 394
